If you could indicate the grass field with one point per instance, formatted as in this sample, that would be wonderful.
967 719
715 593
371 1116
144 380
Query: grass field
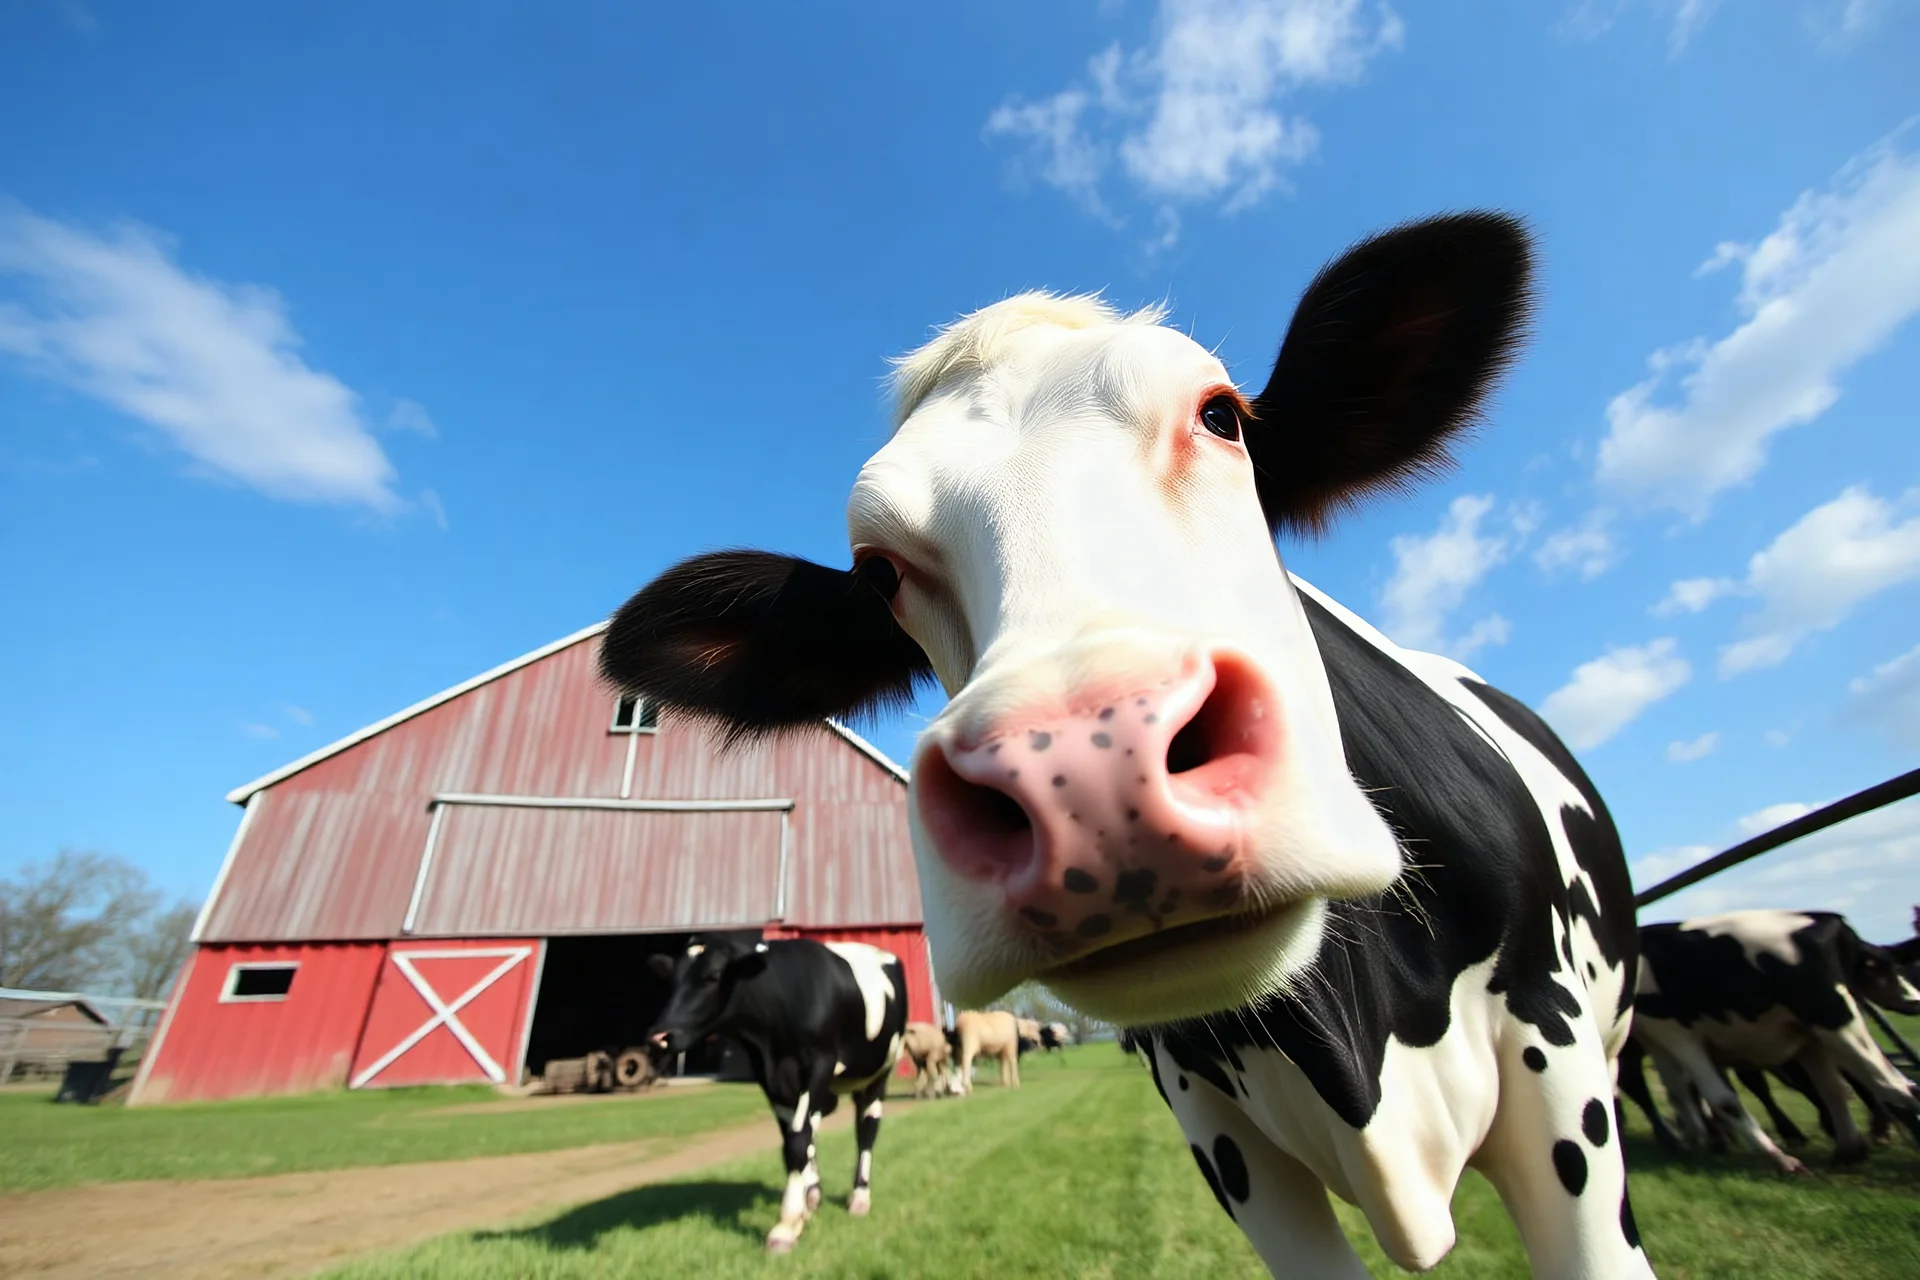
43 1145
1083 1173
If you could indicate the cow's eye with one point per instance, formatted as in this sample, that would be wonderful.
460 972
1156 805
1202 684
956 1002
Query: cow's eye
1221 416
880 573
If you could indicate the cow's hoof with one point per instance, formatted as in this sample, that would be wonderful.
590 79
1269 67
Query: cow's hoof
777 1243
1849 1155
813 1197
1788 1165
861 1204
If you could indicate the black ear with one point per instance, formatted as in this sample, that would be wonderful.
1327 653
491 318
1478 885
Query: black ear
760 642
1390 353
748 964
661 965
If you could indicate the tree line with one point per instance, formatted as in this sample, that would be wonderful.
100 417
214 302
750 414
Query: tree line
91 922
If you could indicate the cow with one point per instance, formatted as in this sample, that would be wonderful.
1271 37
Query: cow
1055 1036
817 1020
1369 919
1766 989
932 1058
992 1034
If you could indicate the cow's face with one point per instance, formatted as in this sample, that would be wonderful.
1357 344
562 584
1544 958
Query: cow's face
703 979
1876 977
1137 792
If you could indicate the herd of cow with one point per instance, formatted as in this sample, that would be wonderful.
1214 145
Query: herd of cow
1367 917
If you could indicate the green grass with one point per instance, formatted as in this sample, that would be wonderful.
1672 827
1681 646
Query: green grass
1082 1172
44 1145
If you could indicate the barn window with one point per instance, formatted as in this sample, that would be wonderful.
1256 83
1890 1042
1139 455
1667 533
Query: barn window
634 714
247 982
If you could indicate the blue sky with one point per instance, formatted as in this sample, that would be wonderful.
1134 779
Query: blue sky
347 351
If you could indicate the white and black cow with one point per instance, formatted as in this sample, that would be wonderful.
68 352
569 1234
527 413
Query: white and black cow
1766 989
1369 920
817 1020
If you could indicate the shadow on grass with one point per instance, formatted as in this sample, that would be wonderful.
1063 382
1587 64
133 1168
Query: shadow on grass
721 1203
1893 1168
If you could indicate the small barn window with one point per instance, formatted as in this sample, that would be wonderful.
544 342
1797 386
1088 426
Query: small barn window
633 714
249 982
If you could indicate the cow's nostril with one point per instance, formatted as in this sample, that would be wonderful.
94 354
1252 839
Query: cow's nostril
1188 750
979 830
1234 722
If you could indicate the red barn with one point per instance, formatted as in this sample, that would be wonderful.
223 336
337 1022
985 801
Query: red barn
471 886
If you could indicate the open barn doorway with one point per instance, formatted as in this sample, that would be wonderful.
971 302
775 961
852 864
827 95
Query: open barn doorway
598 994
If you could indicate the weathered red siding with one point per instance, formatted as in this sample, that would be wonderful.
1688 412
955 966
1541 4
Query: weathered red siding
485 985
552 871
295 1045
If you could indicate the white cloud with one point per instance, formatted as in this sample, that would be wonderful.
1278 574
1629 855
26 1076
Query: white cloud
212 366
1776 737
1828 287
411 415
1867 868
1889 699
1699 748
1586 19
1817 572
299 715
1196 116
1433 574
1605 695
1588 547
430 500
255 730
1691 595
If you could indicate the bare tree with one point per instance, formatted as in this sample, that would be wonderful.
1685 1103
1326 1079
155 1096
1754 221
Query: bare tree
65 925
154 951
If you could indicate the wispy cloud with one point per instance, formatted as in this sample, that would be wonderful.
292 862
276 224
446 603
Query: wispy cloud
1196 117
1432 575
430 500
1588 547
254 729
1687 752
1588 19
299 715
1828 287
214 367
1605 695
1810 578
410 416
1691 595
1888 700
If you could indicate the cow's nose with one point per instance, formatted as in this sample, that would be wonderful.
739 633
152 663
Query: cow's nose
1122 817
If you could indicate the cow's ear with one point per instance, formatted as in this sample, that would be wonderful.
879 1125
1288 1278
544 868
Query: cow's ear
662 966
760 642
749 964
1391 351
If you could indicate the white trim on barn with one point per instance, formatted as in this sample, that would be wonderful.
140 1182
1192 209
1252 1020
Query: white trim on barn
228 994
226 865
447 1013
240 794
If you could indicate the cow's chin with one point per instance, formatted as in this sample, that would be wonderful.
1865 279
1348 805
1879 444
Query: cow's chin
1193 970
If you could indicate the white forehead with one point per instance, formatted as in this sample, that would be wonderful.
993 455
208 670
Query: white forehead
1019 334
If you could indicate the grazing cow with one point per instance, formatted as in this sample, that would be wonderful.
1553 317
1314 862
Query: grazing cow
1054 1036
932 1058
993 1034
1765 989
1028 1030
1370 918
816 1020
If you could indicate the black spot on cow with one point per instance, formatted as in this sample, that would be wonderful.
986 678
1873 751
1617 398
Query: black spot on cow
1628 1227
1103 740
1570 1162
1194 1060
1489 886
994 750
1133 815
1534 1058
1039 741
1232 1167
1078 881
1213 1179
1167 905
1593 1122
1218 862
1059 779
1150 718
1095 926
1183 1084
1032 915
1106 713
1593 972
1132 889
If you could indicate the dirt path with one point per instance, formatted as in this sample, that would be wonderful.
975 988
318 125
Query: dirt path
295 1223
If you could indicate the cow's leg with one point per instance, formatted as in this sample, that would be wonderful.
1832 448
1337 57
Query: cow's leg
1010 1068
866 1127
1555 1157
1690 1057
1831 1088
1756 1081
1273 1198
969 1048
1855 1052
797 1124
1686 1103
1633 1083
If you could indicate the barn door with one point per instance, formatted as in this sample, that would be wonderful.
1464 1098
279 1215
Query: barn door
449 1012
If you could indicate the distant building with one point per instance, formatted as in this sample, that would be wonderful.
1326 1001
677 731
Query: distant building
41 1032
472 886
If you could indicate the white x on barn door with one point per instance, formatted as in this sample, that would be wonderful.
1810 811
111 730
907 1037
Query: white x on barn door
447 1013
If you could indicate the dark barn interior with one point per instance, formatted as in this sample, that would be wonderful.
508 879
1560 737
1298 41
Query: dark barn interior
597 992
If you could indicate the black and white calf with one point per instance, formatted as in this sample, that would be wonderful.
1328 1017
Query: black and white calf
1369 920
1765 989
817 1020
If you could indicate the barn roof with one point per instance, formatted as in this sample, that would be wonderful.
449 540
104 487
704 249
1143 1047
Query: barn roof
241 794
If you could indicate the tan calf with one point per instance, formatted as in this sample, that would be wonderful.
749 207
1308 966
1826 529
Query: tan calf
994 1034
932 1058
